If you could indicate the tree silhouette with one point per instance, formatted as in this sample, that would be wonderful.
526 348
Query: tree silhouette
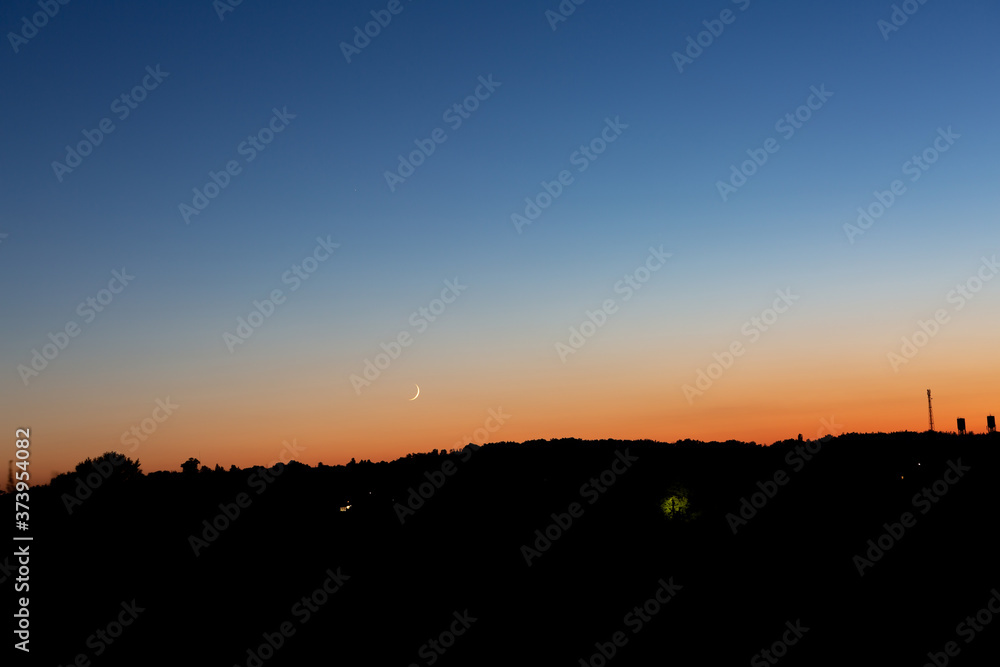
121 467
190 466
110 468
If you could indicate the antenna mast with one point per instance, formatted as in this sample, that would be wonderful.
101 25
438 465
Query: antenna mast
930 410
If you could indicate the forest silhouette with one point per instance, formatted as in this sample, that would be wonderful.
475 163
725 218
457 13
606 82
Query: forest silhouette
543 552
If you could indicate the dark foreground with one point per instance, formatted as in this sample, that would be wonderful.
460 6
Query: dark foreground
465 579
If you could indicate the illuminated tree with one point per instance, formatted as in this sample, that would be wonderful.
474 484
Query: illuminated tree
676 506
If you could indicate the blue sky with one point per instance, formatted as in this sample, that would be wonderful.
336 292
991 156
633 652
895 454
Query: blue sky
324 175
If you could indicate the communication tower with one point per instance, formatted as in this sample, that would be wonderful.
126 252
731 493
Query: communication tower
930 410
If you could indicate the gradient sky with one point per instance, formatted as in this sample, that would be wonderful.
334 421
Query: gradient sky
494 347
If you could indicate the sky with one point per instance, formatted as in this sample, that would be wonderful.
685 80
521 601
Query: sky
249 232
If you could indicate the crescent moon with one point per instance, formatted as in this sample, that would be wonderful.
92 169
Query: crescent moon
417 394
